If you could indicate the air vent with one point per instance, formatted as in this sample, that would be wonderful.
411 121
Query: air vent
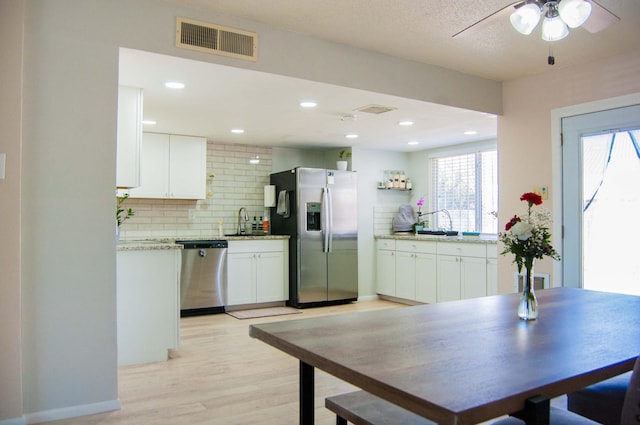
375 109
216 39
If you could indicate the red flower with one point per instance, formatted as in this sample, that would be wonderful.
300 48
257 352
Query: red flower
511 222
532 198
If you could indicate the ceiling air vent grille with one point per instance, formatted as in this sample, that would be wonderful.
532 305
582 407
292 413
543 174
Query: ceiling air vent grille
216 39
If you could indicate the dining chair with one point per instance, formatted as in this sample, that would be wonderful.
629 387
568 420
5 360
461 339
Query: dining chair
601 402
630 414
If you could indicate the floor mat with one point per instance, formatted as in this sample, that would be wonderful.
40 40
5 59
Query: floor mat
263 312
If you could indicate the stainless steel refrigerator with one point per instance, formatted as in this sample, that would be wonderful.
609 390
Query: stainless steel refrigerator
317 208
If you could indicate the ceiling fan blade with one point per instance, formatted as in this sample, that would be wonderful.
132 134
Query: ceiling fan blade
600 18
491 19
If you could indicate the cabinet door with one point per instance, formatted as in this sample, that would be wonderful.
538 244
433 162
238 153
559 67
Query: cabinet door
492 276
241 280
386 272
270 282
187 167
448 278
154 167
129 137
405 275
473 277
426 278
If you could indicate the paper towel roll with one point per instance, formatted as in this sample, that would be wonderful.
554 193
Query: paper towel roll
270 196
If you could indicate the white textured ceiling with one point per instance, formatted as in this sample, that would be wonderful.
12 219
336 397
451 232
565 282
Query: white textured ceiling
418 30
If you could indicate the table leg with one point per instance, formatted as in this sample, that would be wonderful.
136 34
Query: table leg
306 394
536 411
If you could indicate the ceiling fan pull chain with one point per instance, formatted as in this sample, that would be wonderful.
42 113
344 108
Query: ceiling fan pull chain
551 60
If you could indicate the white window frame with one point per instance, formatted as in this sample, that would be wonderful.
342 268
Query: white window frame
465 149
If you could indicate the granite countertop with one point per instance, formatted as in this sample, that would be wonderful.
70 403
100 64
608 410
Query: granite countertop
165 243
486 239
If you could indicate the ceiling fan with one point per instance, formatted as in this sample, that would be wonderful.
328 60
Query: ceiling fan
524 16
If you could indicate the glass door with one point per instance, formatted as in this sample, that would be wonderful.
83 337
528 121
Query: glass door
601 200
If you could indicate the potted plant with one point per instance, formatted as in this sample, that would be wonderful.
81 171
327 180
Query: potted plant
342 162
122 214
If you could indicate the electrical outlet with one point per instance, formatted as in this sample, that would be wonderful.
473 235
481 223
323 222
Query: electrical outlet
192 214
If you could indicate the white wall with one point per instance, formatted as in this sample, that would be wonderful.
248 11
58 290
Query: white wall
370 166
11 38
525 142
287 158
68 176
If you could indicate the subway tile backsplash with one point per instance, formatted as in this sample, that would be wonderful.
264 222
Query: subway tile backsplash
236 184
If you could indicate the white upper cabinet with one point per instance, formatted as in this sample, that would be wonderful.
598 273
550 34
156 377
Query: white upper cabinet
172 167
129 137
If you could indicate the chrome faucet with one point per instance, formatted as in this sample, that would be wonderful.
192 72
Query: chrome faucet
243 218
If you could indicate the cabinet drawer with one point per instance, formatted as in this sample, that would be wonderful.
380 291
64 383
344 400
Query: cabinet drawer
253 245
417 246
463 249
386 244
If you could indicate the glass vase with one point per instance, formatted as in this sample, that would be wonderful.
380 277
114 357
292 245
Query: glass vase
528 305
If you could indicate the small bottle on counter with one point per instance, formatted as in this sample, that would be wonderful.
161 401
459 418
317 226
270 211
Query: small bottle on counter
254 226
260 224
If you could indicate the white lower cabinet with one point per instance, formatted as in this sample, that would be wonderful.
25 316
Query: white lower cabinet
386 267
492 270
431 271
462 271
416 271
257 272
148 304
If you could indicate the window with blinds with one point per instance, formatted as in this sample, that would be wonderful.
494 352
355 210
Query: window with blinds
466 185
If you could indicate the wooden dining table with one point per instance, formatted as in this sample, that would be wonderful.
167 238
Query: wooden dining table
467 361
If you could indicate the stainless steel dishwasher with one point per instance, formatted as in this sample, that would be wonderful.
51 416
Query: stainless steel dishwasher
203 277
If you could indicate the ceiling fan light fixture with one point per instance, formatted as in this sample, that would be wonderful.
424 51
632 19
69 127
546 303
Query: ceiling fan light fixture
526 17
574 12
553 27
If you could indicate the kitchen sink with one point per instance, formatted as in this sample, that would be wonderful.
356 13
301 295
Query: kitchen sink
438 232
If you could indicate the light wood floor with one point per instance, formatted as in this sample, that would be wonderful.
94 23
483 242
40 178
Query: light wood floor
220 375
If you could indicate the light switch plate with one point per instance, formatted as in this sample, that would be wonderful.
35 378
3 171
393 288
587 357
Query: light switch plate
543 191
3 161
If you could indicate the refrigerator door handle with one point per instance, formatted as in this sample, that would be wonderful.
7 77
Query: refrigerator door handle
325 220
330 210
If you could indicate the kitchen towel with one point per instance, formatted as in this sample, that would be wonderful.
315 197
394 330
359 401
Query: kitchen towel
283 204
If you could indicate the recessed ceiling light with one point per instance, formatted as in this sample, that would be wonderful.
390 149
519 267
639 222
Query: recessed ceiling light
413 142
351 136
406 123
148 122
470 132
237 130
308 104
174 85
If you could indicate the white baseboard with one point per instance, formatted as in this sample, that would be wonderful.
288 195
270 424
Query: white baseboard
71 412
368 298
14 421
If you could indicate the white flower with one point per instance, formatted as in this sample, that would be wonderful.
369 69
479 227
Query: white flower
522 230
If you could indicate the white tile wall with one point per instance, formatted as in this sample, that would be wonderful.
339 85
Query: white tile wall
236 184
382 217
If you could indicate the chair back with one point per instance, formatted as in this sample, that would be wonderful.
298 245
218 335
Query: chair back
631 406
